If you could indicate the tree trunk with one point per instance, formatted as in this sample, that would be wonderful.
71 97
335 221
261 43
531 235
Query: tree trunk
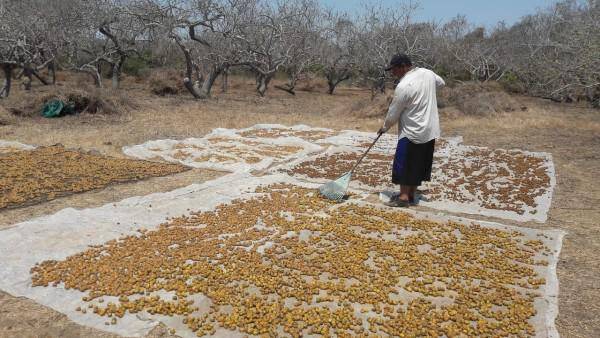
28 73
288 89
202 91
262 83
190 68
333 81
39 77
115 76
225 83
331 86
378 87
592 94
97 79
94 73
52 72
209 81
192 88
291 85
5 91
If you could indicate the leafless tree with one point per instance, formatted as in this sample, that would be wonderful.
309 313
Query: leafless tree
471 50
121 33
107 36
261 42
383 32
10 48
335 49
203 30
301 33
27 41
555 53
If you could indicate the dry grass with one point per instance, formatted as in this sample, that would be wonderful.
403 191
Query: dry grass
572 135
6 118
181 116
540 115
467 99
313 84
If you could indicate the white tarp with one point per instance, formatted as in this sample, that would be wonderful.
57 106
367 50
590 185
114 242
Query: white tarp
8 146
498 188
71 231
224 150
449 165
315 134
449 178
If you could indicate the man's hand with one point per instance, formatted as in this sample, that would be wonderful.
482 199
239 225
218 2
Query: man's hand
382 130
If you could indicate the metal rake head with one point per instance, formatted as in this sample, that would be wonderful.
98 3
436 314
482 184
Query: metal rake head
336 190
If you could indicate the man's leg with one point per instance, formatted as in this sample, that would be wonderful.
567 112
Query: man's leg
405 191
413 194
398 174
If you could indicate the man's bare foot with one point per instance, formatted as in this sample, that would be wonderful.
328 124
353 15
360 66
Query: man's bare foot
396 202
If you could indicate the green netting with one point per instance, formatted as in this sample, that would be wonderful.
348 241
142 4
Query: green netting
57 108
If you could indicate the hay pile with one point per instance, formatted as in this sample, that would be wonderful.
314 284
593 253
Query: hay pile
87 100
469 98
166 82
312 84
479 99
377 107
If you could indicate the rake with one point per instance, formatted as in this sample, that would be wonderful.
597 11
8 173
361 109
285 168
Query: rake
336 190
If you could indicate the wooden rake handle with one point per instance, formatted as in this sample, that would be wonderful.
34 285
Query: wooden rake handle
366 152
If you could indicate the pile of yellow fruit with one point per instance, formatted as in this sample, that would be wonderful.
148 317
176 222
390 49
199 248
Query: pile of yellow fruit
374 171
43 174
309 135
497 179
286 262
230 151
512 183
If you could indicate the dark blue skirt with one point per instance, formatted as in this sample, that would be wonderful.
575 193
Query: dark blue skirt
412 162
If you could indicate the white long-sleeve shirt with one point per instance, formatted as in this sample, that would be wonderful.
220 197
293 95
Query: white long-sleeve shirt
414 106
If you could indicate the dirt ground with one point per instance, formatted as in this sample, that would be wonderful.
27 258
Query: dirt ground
568 131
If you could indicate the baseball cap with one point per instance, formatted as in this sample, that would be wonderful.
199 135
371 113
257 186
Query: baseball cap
399 60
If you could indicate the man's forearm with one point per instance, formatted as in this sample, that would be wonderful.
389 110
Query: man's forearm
390 120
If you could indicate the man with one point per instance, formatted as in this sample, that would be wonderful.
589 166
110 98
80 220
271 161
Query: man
414 108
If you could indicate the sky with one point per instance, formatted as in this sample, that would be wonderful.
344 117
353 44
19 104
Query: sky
480 12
